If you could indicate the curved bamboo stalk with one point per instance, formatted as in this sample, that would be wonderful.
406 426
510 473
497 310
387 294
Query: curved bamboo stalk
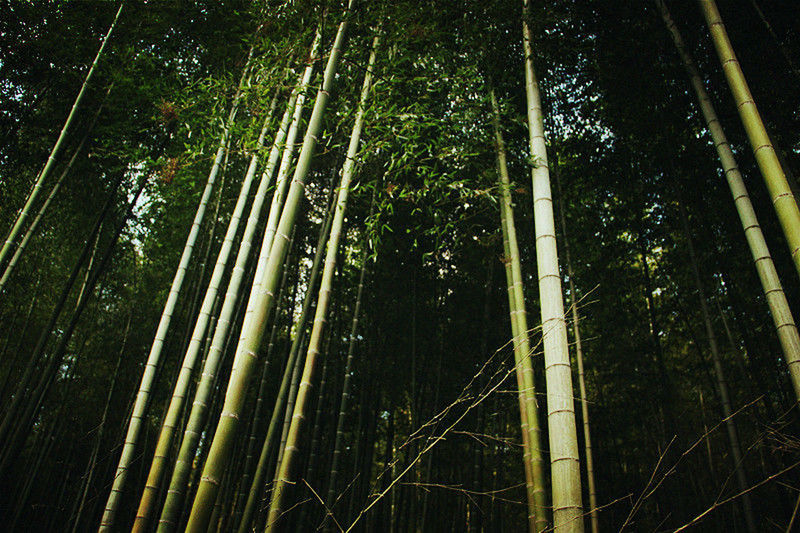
150 370
285 473
785 325
782 198
19 223
260 306
564 461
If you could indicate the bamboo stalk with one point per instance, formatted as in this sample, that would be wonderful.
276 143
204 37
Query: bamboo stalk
785 325
142 401
287 467
782 198
261 304
564 461
19 223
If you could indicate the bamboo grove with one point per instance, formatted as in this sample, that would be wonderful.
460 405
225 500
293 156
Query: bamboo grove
396 266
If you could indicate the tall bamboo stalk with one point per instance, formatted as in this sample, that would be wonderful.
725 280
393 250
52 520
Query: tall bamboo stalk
154 357
191 436
285 473
181 390
278 408
19 223
31 231
564 461
782 198
587 438
261 304
773 290
721 381
532 456
344 400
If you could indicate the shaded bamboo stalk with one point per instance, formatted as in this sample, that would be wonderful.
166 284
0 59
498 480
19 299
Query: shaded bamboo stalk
181 390
260 305
271 438
531 432
19 223
782 198
31 231
564 461
131 442
785 325
287 467
344 400
587 438
721 382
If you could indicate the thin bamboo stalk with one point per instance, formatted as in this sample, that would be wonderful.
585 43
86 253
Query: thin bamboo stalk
150 370
782 198
19 223
285 473
785 325
587 438
170 425
260 306
537 517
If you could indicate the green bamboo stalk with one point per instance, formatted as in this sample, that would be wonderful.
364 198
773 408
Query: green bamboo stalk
150 370
532 456
721 382
19 223
344 400
191 436
181 390
31 231
261 304
782 198
285 474
25 382
587 438
271 438
785 325
564 461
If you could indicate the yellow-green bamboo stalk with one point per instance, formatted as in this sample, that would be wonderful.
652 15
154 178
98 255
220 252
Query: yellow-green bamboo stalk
175 408
782 198
564 462
286 472
260 306
785 325
19 223
587 438
148 376
191 436
532 455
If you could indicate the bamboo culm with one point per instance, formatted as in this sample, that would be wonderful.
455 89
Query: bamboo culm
564 461
785 325
285 474
31 231
270 440
587 438
260 306
529 416
781 194
154 357
180 392
19 223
